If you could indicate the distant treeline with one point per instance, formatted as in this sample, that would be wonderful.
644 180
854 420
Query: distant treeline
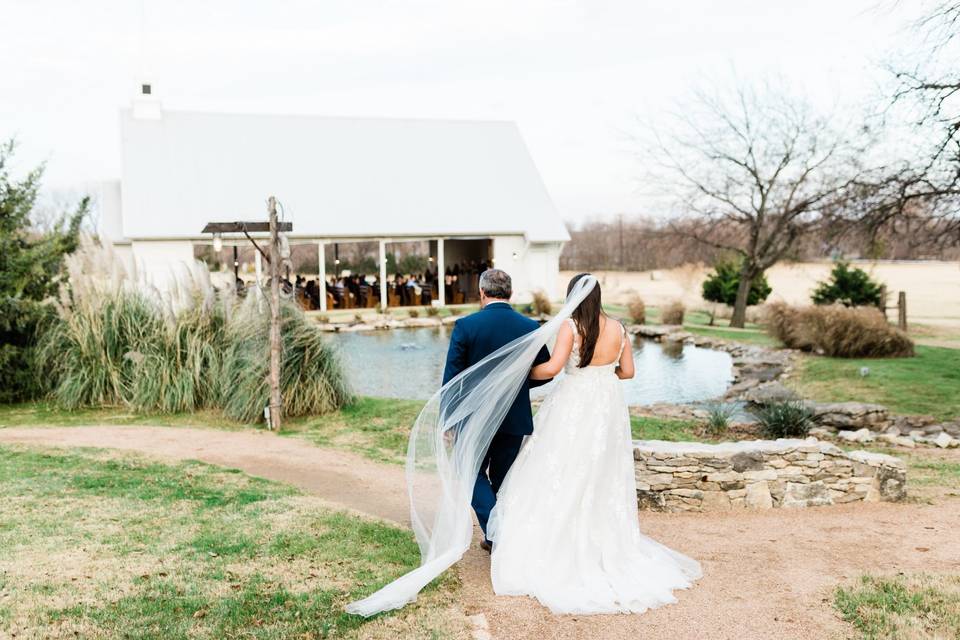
640 244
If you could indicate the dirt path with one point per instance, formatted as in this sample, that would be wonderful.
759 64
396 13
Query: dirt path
767 574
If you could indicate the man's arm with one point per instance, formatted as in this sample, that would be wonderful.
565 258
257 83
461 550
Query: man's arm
542 356
456 354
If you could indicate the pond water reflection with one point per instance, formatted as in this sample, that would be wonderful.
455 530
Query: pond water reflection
408 363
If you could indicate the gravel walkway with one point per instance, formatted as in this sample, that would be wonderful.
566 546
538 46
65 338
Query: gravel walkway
768 574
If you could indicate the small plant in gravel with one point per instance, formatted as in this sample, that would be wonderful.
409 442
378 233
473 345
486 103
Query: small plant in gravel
414 313
433 311
718 422
323 319
785 419
637 309
455 311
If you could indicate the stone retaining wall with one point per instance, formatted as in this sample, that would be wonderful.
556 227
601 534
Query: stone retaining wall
761 474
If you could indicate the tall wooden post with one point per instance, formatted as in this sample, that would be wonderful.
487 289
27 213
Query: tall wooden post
902 310
275 406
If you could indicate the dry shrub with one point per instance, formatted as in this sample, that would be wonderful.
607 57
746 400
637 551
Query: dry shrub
673 313
636 309
433 311
541 304
414 313
838 331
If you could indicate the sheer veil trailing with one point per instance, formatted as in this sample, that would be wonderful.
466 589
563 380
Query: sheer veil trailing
448 440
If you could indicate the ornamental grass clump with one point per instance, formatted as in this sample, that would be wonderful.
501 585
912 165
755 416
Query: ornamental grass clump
541 304
637 309
785 419
718 418
837 331
673 313
117 340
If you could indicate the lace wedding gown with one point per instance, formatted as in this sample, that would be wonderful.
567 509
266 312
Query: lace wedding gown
565 527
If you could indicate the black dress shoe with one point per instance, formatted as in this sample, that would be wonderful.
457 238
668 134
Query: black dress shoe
486 546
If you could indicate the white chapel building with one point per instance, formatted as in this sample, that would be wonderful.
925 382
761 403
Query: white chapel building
469 188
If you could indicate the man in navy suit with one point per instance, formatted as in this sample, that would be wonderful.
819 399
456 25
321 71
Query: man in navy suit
475 337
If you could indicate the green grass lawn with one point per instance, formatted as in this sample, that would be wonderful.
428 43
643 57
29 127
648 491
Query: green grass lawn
377 428
747 335
645 428
927 384
44 413
916 606
102 545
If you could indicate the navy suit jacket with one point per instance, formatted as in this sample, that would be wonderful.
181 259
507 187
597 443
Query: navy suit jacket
478 335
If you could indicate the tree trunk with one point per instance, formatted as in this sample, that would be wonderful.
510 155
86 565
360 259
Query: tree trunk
743 293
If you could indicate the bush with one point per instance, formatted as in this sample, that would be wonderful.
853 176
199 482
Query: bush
849 287
20 321
30 266
413 313
541 304
785 419
636 309
838 331
721 285
117 342
673 313
455 311
433 311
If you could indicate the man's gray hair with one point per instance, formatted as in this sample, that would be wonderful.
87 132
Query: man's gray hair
496 283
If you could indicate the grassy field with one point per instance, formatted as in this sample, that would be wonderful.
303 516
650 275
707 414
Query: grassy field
644 428
916 606
377 428
927 384
99 545
44 413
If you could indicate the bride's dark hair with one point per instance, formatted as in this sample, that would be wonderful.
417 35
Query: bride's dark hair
587 319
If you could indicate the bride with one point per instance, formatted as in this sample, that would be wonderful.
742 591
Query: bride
565 527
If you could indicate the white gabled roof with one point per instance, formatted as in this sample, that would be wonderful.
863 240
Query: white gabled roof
336 177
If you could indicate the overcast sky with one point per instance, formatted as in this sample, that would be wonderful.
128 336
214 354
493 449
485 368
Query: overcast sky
575 76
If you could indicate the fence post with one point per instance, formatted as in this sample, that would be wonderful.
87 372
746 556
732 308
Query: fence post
902 310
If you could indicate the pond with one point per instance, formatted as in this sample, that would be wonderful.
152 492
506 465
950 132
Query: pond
408 363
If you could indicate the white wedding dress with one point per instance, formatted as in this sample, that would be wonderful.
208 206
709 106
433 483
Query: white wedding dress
565 527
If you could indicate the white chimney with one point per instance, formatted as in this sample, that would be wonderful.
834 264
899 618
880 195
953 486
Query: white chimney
146 106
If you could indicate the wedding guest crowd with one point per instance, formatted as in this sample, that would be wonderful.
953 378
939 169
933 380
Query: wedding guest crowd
359 291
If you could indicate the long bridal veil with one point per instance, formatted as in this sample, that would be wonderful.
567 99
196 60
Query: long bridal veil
448 440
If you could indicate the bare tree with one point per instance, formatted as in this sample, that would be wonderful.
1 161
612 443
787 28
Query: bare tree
927 87
755 172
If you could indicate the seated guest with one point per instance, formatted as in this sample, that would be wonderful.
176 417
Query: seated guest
312 294
338 293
